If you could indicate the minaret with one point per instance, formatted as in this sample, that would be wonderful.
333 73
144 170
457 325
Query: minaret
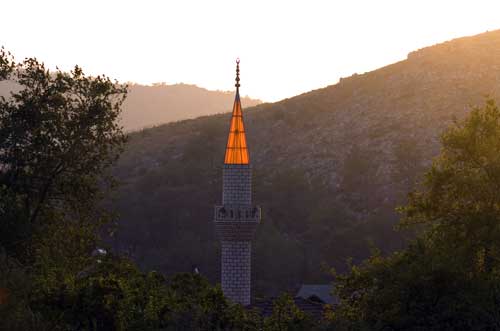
236 220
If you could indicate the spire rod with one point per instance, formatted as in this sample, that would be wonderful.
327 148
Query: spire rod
237 73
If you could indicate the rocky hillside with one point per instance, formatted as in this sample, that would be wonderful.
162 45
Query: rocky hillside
330 166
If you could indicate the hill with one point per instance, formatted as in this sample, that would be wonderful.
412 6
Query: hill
330 166
147 106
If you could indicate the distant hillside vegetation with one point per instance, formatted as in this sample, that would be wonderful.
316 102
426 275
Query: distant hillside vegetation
147 106
330 166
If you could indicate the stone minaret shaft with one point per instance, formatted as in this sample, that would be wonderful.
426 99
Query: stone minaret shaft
236 220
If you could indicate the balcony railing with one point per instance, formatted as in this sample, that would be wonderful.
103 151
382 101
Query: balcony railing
230 213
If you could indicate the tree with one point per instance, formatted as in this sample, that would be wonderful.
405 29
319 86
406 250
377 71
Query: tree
448 278
113 294
460 200
287 316
196 305
58 135
58 138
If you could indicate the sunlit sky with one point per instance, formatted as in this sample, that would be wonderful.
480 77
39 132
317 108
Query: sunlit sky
286 47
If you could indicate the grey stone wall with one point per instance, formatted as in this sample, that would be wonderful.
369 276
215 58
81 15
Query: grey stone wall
237 184
236 270
235 224
235 230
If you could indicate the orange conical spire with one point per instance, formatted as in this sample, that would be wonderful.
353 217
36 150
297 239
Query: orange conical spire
236 149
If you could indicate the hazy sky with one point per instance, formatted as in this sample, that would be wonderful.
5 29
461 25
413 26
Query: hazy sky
286 47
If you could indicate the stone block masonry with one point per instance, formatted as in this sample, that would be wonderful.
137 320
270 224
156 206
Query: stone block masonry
236 221
236 273
237 184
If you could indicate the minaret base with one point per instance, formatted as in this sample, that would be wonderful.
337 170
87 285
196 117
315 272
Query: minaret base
235 227
236 275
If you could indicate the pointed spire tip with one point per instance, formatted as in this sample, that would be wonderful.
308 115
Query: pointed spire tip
237 73
236 148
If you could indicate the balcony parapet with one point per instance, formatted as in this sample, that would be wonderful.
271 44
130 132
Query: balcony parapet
236 223
237 213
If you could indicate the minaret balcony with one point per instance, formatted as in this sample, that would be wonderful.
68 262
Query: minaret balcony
237 213
236 223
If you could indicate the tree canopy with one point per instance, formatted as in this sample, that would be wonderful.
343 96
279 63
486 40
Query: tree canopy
448 278
58 138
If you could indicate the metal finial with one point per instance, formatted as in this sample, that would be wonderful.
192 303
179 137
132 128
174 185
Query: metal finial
237 73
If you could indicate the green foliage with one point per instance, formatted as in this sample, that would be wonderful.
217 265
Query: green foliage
286 316
58 138
15 290
416 289
58 135
6 64
199 306
447 279
112 294
460 201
